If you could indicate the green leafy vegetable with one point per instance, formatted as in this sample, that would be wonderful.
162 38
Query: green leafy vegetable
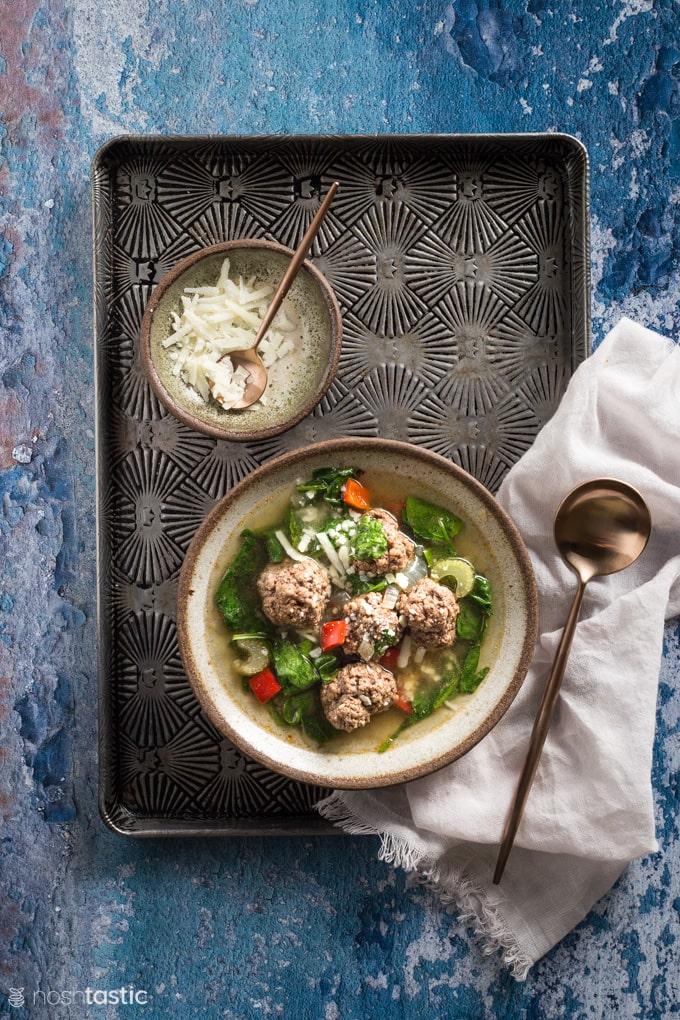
430 522
305 710
318 728
236 596
275 550
481 594
459 679
295 706
370 540
470 622
358 585
471 677
295 527
326 665
294 669
474 611
326 483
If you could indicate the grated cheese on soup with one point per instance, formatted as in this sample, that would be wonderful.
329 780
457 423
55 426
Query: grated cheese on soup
216 320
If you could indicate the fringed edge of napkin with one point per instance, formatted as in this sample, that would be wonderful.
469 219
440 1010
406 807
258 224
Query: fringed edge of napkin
454 888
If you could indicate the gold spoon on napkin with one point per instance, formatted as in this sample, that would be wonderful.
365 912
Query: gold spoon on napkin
601 527
250 359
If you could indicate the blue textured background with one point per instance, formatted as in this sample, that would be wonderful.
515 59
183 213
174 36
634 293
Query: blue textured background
292 927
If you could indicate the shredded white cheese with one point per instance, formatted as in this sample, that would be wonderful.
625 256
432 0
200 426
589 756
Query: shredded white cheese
404 652
306 540
289 549
330 552
217 320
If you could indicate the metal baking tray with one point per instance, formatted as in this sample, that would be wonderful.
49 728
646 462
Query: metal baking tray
461 264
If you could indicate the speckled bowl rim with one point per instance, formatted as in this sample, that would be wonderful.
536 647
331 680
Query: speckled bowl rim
179 410
331 448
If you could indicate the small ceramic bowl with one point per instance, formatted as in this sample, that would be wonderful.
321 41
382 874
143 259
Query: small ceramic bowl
352 760
296 383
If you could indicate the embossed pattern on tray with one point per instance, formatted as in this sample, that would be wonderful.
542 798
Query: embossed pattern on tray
461 267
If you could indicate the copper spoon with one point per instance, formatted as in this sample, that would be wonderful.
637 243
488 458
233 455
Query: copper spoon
250 359
601 527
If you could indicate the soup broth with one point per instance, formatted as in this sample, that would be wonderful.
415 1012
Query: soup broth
419 671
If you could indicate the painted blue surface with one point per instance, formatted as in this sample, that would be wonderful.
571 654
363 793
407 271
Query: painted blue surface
293 927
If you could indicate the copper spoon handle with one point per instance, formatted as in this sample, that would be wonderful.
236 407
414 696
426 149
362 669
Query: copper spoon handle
295 263
539 732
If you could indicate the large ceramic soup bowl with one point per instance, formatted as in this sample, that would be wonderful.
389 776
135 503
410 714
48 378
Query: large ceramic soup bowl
358 626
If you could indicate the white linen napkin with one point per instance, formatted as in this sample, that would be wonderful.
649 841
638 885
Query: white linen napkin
590 810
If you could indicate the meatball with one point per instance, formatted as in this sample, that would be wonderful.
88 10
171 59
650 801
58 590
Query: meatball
371 626
430 611
294 593
399 551
357 692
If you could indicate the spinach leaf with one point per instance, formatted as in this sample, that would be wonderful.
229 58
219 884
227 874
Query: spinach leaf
294 669
305 710
275 550
474 611
236 596
433 523
471 620
370 540
471 677
296 706
481 594
447 690
318 728
327 482
295 527
358 585
388 741
326 665
424 700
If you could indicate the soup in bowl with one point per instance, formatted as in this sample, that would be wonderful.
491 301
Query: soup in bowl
357 613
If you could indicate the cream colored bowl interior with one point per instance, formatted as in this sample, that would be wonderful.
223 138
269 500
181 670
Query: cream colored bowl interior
352 761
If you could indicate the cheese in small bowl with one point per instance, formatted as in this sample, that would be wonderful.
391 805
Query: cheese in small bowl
218 319
211 304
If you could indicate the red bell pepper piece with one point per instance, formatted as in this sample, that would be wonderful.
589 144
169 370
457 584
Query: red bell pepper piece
403 704
264 685
333 634
389 658
357 495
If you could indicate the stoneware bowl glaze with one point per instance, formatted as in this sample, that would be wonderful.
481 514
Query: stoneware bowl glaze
296 384
353 761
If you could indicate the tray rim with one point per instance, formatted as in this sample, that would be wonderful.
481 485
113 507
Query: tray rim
300 825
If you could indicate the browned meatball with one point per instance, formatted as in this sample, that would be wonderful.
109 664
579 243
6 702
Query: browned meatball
294 593
430 611
399 551
371 627
357 692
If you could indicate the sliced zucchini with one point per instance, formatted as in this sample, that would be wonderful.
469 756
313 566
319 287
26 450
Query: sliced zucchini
456 573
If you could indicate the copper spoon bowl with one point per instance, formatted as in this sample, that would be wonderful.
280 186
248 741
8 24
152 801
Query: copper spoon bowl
249 358
601 527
